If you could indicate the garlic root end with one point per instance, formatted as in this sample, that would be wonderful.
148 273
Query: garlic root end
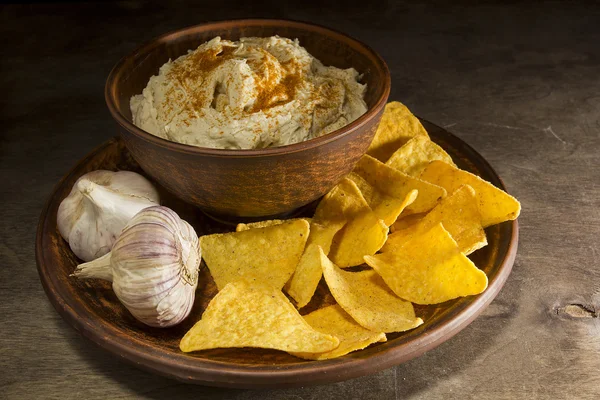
99 268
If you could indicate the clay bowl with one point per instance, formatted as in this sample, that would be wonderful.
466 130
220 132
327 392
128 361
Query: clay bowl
249 183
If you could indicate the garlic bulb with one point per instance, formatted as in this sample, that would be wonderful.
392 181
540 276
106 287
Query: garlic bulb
153 266
100 204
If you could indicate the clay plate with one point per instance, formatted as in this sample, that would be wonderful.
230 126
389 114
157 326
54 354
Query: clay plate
92 308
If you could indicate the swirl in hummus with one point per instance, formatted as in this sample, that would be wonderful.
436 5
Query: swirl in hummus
253 93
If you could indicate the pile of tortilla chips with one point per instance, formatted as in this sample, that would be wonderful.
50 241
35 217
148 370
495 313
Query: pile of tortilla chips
406 211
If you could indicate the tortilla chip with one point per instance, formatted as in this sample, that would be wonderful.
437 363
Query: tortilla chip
303 283
385 207
363 235
268 255
245 314
398 125
334 321
365 296
342 203
495 205
430 269
407 221
459 214
301 287
363 232
416 154
394 183
263 224
369 193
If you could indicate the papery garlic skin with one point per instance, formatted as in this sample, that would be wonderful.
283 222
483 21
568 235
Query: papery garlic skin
153 266
100 204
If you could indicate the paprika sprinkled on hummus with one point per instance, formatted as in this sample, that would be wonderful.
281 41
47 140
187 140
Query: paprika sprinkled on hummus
253 93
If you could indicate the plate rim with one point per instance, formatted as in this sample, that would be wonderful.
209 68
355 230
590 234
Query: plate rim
224 374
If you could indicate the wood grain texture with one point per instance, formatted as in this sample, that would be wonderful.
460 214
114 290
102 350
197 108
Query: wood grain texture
519 83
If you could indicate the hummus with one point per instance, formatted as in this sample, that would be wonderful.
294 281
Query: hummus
253 93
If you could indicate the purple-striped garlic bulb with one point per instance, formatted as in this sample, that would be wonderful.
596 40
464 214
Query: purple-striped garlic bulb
153 267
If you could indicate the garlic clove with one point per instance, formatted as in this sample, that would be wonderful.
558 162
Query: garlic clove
98 207
153 265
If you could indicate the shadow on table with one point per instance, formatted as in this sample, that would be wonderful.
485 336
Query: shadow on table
406 380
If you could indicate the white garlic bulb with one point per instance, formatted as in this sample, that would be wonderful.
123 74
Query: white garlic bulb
101 202
153 266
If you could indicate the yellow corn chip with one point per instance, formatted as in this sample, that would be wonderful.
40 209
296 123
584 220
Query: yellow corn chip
397 126
259 224
263 224
365 296
245 314
369 193
461 218
342 203
267 255
495 205
363 235
301 287
416 154
333 320
407 221
394 183
385 207
430 269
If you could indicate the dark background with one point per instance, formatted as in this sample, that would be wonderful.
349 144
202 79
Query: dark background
519 81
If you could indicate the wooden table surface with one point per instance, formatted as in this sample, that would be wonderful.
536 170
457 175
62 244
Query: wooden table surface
520 83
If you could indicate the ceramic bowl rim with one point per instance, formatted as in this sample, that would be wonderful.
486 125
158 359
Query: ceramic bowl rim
115 74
